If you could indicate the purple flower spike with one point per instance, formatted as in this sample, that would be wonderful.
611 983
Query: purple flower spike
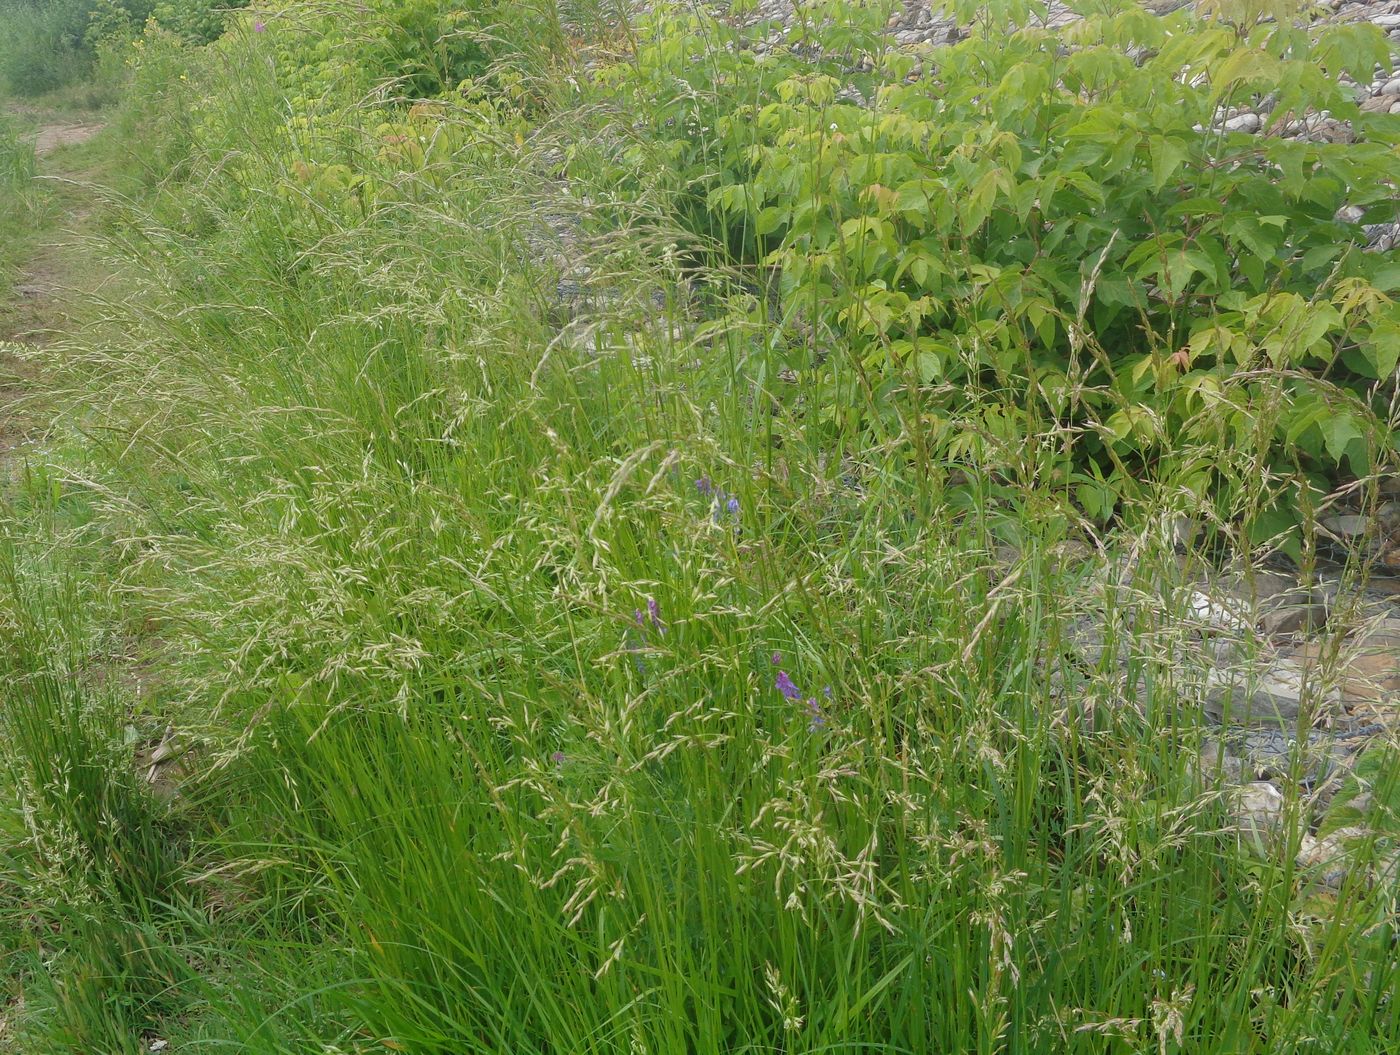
641 619
733 506
827 692
654 611
777 659
704 486
259 27
786 687
817 718
559 758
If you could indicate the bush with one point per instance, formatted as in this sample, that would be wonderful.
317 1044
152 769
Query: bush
1035 224
42 44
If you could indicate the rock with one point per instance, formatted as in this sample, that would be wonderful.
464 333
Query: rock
1382 237
1377 104
1215 613
1257 808
1391 87
1293 619
1246 122
1276 694
1329 860
1348 527
1215 760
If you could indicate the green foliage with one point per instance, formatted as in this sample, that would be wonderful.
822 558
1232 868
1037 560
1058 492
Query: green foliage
198 21
1043 231
416 49
488 750
42 44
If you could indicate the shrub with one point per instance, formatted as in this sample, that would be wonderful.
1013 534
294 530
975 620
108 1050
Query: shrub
42 44
1053 227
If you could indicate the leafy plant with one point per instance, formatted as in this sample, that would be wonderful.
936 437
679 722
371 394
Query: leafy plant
1056 226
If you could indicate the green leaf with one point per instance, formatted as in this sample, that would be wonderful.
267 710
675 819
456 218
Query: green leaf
1338 432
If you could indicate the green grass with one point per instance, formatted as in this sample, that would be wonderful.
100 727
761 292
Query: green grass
475 675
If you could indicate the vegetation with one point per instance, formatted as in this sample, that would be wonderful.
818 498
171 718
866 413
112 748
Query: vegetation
569 536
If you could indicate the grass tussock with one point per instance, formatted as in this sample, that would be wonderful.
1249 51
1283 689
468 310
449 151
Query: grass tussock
437 623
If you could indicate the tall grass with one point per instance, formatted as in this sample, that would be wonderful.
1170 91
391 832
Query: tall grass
546 685
43 47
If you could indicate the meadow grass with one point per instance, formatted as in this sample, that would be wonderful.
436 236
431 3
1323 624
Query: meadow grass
533 675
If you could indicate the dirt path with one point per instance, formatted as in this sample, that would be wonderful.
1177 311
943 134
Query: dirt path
53 136
35 307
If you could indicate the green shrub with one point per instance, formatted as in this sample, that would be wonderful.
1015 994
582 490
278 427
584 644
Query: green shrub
42 44
1035 223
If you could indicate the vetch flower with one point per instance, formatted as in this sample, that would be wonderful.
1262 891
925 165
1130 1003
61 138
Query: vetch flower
785 685
704 485
559 758
815 713
733 506
259 27
654 611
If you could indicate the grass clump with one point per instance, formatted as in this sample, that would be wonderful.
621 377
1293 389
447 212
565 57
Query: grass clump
535 668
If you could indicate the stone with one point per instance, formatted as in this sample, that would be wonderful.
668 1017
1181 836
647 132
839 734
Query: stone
1276 694
1257 808
1214 759
1391 87
1328 860
1246 122
1347 527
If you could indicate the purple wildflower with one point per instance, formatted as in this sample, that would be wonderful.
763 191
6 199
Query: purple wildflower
259 27
641 619
777 659
786 687
704 485
733 506
815 712
654 612
559 758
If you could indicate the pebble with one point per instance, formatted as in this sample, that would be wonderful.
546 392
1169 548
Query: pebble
1247 122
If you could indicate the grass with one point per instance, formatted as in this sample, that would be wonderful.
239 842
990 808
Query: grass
469 676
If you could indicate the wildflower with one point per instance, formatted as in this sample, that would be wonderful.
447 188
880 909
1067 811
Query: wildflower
704 485
733 506
259 27
786 687
559 758
640 619
654 612
814 711
777 659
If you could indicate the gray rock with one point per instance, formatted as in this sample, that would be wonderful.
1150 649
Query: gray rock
1273 696
1348 527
